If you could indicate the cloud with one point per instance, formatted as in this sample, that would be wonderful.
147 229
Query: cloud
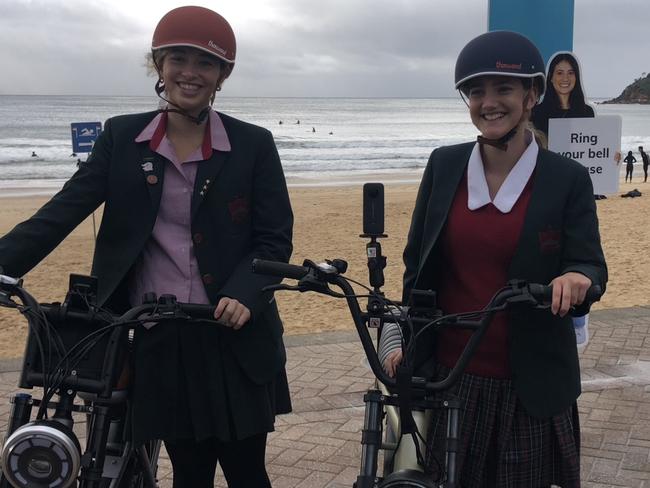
611 40
396 48
361 48
68 48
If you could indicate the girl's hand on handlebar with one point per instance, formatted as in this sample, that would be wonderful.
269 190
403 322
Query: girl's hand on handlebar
392 361
231 313
569 289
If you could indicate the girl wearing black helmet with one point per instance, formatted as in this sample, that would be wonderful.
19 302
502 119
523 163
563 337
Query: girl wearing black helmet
489 211
190 197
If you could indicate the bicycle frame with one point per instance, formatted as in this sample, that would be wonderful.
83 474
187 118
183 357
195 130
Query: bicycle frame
316 278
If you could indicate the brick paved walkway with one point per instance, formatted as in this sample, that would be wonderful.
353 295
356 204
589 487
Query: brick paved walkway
317 446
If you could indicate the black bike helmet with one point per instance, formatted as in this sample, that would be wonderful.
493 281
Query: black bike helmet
501 53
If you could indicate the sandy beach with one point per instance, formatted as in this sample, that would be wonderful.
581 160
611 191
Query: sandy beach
328 220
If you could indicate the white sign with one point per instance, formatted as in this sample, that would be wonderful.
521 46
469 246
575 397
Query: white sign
594 142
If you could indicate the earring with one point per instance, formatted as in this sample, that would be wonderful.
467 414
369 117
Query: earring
159 86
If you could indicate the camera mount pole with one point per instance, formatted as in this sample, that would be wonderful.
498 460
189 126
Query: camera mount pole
376 265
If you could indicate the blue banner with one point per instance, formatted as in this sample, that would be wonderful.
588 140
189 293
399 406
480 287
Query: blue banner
548 23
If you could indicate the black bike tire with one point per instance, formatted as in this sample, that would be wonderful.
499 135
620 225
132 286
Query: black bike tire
133 475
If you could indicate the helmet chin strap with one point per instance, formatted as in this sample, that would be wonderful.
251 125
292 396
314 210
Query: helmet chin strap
203 114
501 142
198 120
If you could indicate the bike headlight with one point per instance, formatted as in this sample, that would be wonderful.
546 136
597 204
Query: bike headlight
44 453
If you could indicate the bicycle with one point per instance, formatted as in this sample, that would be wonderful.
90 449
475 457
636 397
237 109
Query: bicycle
406 393
74 350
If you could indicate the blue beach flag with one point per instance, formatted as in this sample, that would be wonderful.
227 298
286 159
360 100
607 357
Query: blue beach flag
548 23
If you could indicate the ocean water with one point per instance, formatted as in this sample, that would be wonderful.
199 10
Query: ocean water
335 138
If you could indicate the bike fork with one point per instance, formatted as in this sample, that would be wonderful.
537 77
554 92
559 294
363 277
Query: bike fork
453 436
370 439
93 460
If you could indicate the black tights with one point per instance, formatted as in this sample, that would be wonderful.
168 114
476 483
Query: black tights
242 462
628 172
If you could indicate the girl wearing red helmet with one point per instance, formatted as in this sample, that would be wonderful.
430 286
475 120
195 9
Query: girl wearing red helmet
197 36
190 197
489 211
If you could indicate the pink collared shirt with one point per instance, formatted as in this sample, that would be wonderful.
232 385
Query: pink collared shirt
167 264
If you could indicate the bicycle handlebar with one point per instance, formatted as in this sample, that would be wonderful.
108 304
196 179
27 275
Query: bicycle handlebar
315 278
283 270
103 324
544 293
192 311
166 306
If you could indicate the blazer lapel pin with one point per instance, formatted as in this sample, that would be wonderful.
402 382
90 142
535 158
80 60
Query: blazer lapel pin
205 187
147 167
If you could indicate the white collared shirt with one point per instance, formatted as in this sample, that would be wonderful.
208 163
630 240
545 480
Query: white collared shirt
512 187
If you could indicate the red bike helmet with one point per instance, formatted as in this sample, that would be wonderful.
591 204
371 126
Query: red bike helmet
196 27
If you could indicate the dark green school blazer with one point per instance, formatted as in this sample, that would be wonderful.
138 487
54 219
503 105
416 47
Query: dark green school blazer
240 211
560 234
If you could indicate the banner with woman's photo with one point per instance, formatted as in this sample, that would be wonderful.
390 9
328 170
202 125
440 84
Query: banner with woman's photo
572 126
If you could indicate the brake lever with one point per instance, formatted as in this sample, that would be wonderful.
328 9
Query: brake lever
526 299
282 286
305 285
6 301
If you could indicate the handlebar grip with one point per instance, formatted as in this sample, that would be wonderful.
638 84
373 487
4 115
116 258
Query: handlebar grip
544 293
594 293
195 311
276 268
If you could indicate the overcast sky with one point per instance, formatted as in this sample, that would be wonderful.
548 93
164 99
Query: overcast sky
391 48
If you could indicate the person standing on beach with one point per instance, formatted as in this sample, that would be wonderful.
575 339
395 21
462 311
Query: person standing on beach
646 163
629 167
489 211
190 197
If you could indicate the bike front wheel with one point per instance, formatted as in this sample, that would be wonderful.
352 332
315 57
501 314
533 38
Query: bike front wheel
408 478
141 467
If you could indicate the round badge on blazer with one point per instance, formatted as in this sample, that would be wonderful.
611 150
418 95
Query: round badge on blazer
152 179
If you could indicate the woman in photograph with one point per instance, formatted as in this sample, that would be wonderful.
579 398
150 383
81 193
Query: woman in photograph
487 212
564 97
191 196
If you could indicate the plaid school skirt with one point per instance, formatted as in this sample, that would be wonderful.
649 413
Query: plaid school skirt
501 446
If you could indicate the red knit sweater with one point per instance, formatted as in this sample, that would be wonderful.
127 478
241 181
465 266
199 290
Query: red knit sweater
477 248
